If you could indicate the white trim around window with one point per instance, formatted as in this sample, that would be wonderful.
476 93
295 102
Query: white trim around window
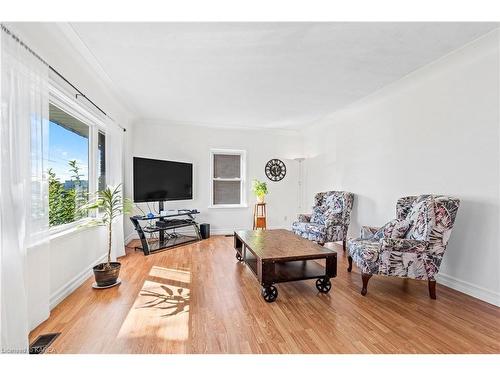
241 179
67 103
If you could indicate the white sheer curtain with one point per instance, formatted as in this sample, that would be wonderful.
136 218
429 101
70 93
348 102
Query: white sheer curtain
23 184
114 171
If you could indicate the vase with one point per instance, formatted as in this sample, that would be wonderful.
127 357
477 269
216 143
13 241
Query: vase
260 198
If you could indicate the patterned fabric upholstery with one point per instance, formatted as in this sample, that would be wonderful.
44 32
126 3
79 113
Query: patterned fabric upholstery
364 253
311 231
396 228
304 218
403 206
368 232
418 255
330 218
421 218
403 258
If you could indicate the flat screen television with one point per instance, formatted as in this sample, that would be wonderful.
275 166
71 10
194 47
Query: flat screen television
162 180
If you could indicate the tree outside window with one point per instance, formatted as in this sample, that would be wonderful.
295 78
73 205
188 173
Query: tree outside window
68 167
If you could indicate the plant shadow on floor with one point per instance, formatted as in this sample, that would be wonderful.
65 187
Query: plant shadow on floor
176 303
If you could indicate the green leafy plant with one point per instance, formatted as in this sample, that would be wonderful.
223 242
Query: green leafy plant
64 203
259 188
80 193
110 204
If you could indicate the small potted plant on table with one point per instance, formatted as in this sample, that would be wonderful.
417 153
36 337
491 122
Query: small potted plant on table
110 205
259 188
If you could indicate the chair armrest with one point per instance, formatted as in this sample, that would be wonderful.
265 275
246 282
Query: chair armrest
304 218
403 245
368 232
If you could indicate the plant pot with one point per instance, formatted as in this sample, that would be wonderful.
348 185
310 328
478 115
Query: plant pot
260 199
106 277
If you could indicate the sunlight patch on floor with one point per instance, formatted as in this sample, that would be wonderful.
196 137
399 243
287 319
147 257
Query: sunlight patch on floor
170 274
161 310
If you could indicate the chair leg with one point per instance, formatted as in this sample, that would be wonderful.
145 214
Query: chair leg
344 244
365 277
432 289
349 259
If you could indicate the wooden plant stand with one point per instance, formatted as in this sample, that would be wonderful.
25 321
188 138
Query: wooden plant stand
259 216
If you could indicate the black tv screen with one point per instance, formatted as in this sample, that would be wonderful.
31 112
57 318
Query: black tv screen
162 180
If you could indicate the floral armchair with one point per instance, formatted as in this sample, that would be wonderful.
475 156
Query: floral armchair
329 220
410 246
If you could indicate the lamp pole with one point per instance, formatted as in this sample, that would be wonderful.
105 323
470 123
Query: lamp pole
300 183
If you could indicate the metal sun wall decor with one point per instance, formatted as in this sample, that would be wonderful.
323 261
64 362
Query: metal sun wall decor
275 170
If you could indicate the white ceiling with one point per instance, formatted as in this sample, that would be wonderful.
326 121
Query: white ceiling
261 74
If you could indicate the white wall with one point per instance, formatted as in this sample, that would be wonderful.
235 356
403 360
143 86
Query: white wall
69 265
434 131
193 144
55 272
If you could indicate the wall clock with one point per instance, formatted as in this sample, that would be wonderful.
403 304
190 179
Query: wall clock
275 170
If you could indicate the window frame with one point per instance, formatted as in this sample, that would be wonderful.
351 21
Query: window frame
242 179
97 166
68 103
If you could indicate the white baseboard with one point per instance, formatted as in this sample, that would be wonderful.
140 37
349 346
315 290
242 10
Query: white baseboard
130 237
74 283
470 289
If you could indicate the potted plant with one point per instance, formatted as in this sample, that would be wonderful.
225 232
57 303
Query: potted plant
110 205
259 188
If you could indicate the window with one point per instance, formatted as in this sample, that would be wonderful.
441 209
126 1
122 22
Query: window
101 161
227 178
77 159
68 166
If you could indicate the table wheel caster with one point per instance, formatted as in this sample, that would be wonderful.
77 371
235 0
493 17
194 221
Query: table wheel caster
323 284
270 293
239 257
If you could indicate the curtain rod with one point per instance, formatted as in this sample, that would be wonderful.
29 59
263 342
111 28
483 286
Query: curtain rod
79 92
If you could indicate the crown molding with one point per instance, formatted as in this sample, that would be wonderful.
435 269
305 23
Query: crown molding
210 125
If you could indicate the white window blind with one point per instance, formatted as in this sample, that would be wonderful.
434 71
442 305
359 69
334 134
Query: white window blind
228 178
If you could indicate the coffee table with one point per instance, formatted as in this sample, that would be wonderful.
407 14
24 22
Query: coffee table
278 255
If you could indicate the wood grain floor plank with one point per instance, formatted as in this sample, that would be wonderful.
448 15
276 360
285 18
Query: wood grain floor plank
212 304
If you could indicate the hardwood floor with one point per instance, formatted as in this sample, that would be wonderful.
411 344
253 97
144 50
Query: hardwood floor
199 299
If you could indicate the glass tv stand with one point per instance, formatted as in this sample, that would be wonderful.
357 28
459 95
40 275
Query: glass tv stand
161 230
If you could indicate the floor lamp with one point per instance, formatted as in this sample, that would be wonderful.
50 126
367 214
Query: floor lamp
300 200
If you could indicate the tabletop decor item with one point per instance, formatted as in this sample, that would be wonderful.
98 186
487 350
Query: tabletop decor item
259 188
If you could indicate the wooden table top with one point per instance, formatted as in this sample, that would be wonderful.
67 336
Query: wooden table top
281 244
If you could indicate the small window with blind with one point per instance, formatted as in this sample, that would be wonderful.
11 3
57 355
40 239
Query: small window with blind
227 178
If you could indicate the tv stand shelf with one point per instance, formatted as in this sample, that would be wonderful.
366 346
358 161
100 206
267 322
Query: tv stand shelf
156 246
167 237
178 224
188 213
